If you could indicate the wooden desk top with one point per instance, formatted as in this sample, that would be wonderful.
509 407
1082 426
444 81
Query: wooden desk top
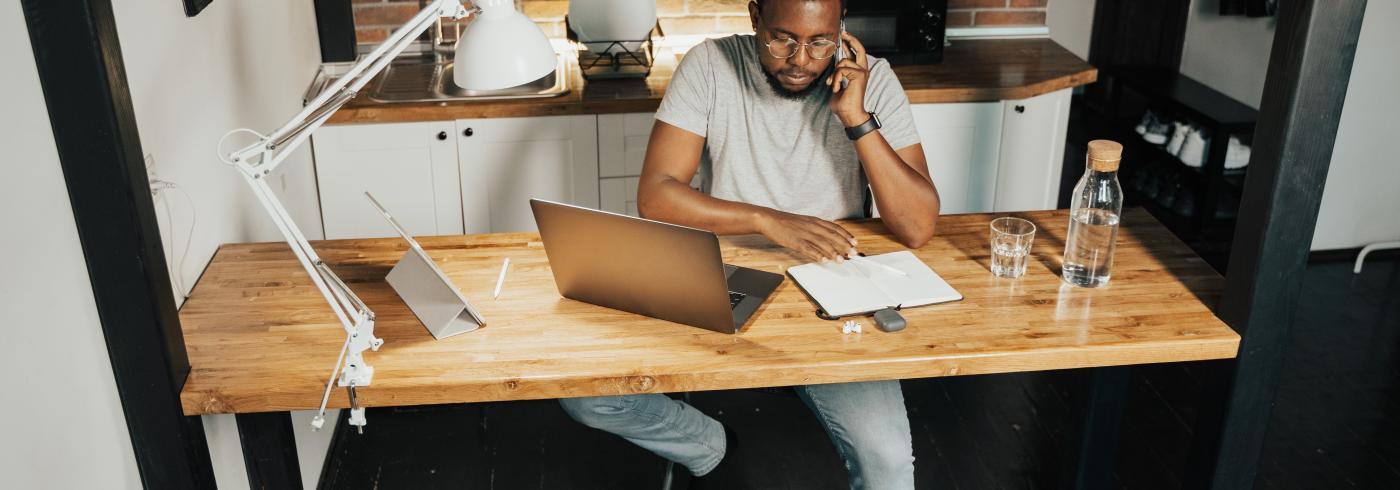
260 338
971 71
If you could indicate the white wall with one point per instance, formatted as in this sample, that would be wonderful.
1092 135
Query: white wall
1228 53
238 64
1071 24
1361 202
60 400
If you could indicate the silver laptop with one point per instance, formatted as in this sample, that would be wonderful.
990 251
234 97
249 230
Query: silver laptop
426 290
648 267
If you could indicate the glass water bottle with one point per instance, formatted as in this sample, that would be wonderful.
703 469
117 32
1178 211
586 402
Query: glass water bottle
1094 212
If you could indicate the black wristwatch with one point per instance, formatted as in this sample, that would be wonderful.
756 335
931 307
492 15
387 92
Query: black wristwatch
864 128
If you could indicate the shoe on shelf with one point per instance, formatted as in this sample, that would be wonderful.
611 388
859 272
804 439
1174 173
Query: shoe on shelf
1149 119
1157 132
1237 156
1152 175
1139 178
1227 206
1167 197
729 474
1193 150
1167 186
1185 204
1179 132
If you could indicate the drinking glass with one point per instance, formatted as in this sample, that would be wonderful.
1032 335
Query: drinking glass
1011 246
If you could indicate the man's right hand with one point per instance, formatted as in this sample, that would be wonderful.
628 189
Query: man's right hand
816 238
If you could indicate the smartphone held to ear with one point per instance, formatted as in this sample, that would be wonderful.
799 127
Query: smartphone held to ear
841 43
841 52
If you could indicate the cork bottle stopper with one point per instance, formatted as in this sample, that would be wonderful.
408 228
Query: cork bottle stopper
1104 155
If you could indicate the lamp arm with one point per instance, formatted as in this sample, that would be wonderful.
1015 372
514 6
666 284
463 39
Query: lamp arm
257 160
294 132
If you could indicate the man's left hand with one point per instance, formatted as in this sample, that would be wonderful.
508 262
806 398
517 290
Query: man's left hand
848 104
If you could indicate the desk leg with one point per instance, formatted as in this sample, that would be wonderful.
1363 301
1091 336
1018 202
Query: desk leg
1099 429
269 450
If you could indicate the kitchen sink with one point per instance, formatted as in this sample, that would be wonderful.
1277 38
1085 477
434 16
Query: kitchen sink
429 79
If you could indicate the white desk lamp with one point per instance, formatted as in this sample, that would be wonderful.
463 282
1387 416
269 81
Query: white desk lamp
500 48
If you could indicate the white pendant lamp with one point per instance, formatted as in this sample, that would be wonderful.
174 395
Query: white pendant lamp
501 48
611 20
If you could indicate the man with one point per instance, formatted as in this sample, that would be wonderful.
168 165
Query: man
768 116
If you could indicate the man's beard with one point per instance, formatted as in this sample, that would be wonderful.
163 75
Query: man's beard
785 93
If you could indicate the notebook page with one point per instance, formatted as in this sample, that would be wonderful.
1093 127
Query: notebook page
840 288
921 287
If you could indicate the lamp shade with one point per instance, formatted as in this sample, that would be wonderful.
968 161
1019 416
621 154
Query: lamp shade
611 20
501 48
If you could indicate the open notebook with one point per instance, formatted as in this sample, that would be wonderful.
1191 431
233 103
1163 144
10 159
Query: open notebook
854 287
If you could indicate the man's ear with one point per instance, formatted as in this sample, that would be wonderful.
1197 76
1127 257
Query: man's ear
753 15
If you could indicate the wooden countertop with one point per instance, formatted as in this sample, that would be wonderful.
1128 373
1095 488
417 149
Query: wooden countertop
260 338
971 71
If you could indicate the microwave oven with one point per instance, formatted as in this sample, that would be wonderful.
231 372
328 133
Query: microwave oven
901 31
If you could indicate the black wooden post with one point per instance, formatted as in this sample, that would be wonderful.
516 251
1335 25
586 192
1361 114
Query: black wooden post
269 450
1309 69
1098 430
80 68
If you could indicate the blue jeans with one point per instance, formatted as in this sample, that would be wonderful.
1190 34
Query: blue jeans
866 421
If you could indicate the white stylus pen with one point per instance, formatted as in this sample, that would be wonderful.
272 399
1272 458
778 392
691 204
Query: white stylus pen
501 279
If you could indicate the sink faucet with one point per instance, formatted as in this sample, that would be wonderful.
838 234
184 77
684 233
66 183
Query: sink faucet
437 33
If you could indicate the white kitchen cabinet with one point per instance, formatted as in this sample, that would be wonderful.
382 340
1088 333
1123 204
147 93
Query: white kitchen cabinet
961 143
988 156
619 195
1032 152
622 143
504 162
622 148
411 168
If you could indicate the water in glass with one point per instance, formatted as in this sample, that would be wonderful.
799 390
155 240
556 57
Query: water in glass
1011 246
1009 260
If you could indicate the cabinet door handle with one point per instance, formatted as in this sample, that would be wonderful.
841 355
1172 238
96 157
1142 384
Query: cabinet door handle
442 135
468 132
1020 109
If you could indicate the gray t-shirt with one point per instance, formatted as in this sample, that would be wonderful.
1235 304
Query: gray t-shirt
763 149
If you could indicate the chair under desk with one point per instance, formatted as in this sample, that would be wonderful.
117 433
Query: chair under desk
261 339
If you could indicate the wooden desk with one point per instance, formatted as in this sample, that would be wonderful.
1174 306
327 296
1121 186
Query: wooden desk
260 338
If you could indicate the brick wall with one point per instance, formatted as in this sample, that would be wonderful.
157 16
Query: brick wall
982 13
374 19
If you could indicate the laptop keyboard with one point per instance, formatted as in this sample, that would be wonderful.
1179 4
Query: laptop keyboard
735 298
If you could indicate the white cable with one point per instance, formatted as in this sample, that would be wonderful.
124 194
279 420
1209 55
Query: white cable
189 235
178 265
170 266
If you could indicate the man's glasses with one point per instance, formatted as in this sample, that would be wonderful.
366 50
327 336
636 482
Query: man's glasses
787 47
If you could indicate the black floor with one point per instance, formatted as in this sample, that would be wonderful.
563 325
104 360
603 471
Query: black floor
1330 428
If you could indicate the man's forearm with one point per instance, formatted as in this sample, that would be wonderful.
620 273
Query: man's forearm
907 199
672 201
